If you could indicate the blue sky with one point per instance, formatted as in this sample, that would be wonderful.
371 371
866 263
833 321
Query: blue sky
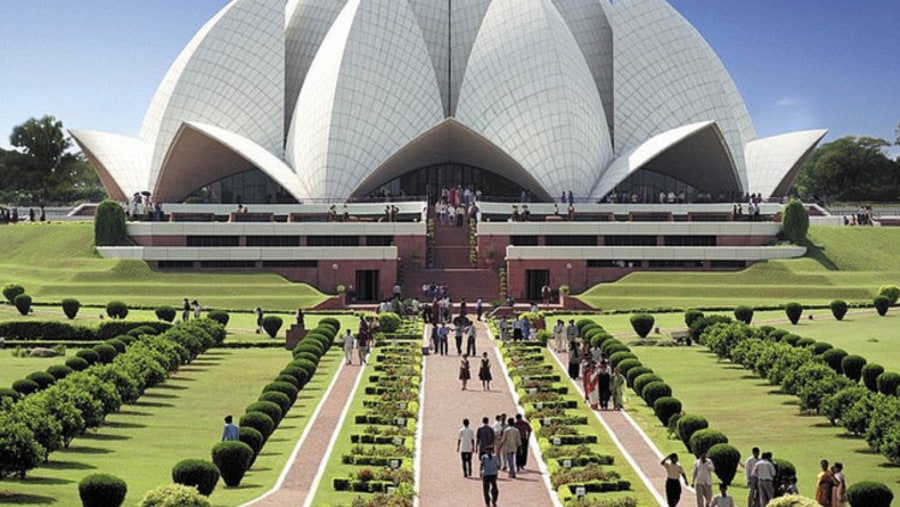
799 64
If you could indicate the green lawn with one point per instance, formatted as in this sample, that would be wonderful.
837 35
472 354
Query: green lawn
55 261
843 263
180 419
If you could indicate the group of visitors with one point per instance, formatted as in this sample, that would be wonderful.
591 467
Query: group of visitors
362 341
701 481
484 371
520 328
831 485
11 215
863 216
191 307
501 445
463 329
456 205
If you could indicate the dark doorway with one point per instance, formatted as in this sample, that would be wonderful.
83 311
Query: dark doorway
367 286
535 280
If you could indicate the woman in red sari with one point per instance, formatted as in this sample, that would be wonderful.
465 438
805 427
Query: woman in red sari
587 371
824 485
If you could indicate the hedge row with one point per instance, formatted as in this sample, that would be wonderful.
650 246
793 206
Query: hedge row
30 330
860 396
36 426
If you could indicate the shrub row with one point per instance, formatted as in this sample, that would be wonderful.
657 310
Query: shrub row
29 330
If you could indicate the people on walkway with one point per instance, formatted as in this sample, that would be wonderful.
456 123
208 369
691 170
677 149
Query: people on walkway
347 342
824 484
443 335
525 434
752 490
764 471
479 308
839 491
674 474
470 340
490 467
231 430
618 389
259 318
589 382
510 440
459 327
484 438
465 445
484 372
701 479
574 361
465 371
604 383
186 311
723 499
559 336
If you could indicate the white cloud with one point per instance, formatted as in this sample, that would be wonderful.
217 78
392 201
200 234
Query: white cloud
789 102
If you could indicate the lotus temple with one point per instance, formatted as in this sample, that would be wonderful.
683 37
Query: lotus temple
335 125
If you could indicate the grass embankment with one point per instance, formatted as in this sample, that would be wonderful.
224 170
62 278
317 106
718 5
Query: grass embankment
842 263
177 420
751 412
54 261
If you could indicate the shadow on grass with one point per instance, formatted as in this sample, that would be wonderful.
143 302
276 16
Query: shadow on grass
77 449
157 404
46 481
159 395
124 425
172 387
67 465
22 499
104 437
818 254
134 413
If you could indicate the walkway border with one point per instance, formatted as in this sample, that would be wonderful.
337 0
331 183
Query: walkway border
417 460
533 445
303 436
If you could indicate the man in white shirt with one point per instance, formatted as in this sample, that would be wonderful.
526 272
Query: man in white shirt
722 499
701 480
752 492
764 471
465 446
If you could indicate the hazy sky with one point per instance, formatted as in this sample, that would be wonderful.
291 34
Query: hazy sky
799 64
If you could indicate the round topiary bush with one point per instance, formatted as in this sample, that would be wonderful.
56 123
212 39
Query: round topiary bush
283 387
665 407
618 357
199 473
795 222
70 307
793 501
838 309
887 382
308 356
691 315
642 323
280 399
102 490
174 495
610 347
116 309
23 303
726 459
703 440
835 358
77 363
744 314
7 393
272 324
791 339
109 224
310 347
288 376
60 371
259 421
305 364
89 355
852 366
627 364
233 458
784 470
636 372
388 322
870 373
793 311
42 379
106 352
869 494
269 408
117 344
819 348
12 290
882 304
165 313
892 292
688 425
654 391
219 316
805 342
25 387
253 438
641 382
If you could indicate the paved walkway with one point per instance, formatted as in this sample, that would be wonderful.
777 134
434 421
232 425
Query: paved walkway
295 484
445 406
641 454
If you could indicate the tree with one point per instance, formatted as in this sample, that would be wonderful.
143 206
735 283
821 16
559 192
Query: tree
850 168
795 223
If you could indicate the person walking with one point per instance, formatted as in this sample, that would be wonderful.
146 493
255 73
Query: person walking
195 306
604 383
701 479
186 310
839 491
465 372
525 434
484 438
752 490
498 435
824 484
674 474
510 440
764 471
722 499
618 389
479 308
559 336
459 327
573 362
470 340
490 468
443 333
465 446
259 318
362 344
484 372
348 346
231 430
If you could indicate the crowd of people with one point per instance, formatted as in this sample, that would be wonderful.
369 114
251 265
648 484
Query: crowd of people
501 445
456 205
863 216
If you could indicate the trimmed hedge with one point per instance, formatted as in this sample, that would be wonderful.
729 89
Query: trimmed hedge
793 312
641 382
174 495
25 387
852 366
642 323
272 324
102 490
665 407
654 391
253 438
692 315
219 316
892 292
882 304
70 307
117 310
703 440
42 379
870 373
835 359
743 314
10 291
869 494
233 458
636 372
59 371
109 224
269 408
77 363
285 388
166 313
726 459
887 383
199 473
689 424
259 421
23 303
388 322
838 309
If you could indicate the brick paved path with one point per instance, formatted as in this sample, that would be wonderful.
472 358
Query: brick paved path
295 487
445 406
641 454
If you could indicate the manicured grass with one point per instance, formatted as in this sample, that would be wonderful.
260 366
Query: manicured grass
180 419
844 263
54 261
14 368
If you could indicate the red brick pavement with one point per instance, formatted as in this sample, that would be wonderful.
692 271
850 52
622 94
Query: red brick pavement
441 482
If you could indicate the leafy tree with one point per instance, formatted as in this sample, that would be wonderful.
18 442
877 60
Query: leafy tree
851 168
19 451
795 223
109 225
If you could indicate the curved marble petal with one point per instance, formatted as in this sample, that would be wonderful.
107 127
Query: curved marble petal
122 163
773 162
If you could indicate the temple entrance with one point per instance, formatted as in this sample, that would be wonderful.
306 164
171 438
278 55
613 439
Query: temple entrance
535 280
367 286
428 181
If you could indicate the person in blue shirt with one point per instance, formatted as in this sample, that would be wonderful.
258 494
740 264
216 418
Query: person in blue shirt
490 467
231 431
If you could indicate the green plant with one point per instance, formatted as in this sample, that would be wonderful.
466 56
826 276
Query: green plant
627 364
77 363
795 222
793 312
109 224
688 425
25 386
70 307
703 440
10 291
388 322
102 490
882 304
869 494
654 391
891 292
219 316
105 352
870 373
642 323
665 407
253 438
887 383
42 379
59 371
278 398
793 501
835 359
259 421
116 310
852 366
726 459
636 372
166 313
743 314
232 458
23 303
269 408
641 381
838 309
691 315
272 324
174 495
198 473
